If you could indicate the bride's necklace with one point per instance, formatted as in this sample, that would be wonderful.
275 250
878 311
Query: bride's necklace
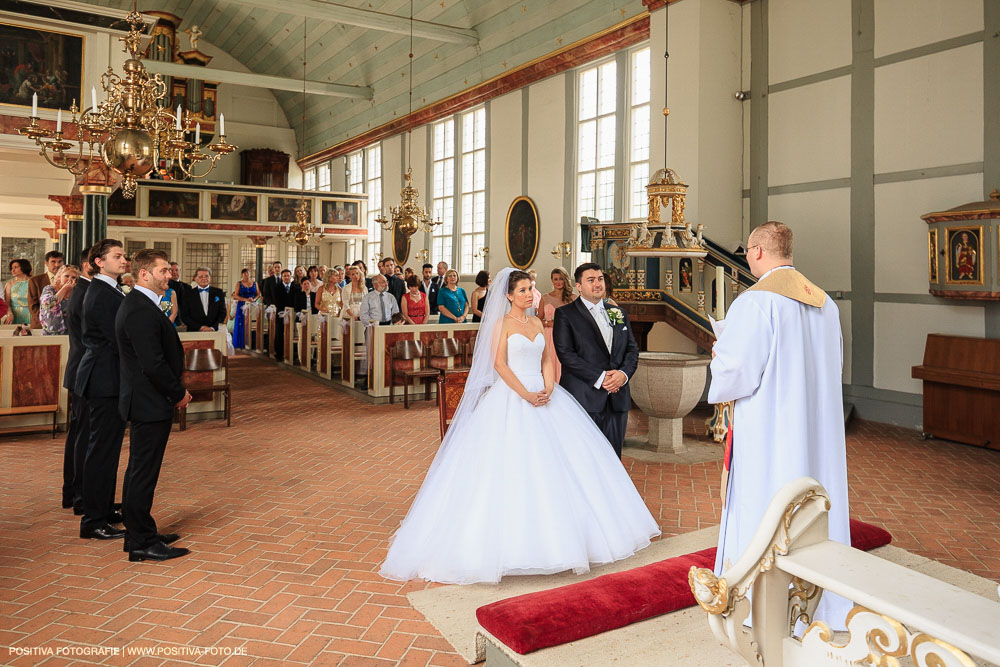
524 321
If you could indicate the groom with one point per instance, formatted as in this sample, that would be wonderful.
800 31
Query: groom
594 343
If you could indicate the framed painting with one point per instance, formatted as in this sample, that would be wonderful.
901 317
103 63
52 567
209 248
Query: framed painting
932 255
43 62
685 275
236 206
963 255
121 207
338 212
400 246
282 209
521 232
173 204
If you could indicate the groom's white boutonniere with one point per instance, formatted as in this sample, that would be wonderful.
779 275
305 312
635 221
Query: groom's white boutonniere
615 315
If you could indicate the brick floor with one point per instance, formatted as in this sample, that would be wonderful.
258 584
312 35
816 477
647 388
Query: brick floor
288 514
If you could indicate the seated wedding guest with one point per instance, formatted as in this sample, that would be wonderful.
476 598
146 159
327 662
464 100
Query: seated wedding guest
478 298
328 298
306 299
314 278
53 262
245 292
206 309
415 307
353 293
15 292
127 282
453 304
429 286
378 306
285 296
55 299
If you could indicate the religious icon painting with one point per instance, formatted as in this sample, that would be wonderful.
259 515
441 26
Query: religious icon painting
522 232
235 206
184 204
685 275
282 209
932 255
40 62
338 212
119 206
963 256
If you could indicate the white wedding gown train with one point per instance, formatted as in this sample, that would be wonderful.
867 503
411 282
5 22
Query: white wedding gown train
520 490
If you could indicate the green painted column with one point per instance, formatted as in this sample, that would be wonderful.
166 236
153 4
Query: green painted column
73 238
95 213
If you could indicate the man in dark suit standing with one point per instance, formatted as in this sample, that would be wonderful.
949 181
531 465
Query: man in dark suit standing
438 283
97 380
270 284
53 262
286 295
594 342
152 360
79 424
180 289
205 307
429 287
396 285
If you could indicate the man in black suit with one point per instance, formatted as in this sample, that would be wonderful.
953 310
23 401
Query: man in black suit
79 424
429 287
594 342
270 284
205 307
286 295
97 380
396 285
152 361
438 283
305 299
180 290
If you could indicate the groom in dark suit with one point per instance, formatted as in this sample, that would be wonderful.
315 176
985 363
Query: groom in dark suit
594 343
152 361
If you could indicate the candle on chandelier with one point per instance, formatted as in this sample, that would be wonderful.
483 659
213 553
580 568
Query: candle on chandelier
59 121
178 116
197 133
93 100
34 105
222 124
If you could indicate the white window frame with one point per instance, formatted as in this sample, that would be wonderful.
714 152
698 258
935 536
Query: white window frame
639 120
472 188
323 178
373 187
443 143
309 176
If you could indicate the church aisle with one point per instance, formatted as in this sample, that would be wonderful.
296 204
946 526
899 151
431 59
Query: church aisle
288 513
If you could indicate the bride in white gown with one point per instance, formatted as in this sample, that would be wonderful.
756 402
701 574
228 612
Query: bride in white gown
524 482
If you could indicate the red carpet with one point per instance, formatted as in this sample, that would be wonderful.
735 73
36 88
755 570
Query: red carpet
557 616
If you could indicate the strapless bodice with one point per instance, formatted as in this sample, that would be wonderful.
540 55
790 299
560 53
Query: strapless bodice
524 355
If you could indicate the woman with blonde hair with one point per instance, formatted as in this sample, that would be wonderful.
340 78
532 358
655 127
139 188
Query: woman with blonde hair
561 294
328 300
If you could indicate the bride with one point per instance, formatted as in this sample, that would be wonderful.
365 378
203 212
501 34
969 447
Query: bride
524 482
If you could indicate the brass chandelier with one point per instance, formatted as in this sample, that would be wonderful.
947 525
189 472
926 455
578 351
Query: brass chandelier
409 217
130 130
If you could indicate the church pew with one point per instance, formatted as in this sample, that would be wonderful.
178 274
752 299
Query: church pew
288 323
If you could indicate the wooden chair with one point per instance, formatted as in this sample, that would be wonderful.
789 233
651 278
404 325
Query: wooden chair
448 355
450 387
202 360
470 347
407 362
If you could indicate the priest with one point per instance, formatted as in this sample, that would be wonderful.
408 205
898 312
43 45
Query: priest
779 356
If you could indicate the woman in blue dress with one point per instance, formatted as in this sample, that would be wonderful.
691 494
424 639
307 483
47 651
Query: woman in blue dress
168 304
453 304
246 291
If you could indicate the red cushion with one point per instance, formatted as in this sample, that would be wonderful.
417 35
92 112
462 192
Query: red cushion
556 616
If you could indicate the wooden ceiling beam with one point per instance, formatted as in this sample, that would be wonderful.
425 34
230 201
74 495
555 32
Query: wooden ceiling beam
366 18
255 80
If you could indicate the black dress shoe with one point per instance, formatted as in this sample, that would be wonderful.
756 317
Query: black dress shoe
165 538
77 510
67 503
116 507
156 551
116 517
104 532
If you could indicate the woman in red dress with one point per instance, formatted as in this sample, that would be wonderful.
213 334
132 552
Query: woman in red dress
414 305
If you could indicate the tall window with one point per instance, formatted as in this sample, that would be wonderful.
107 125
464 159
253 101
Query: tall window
443 191
373 186
356 183
473 230
595 162
310 179
638 170
323 177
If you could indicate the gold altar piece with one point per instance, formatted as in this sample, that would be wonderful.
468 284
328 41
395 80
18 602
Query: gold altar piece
675 238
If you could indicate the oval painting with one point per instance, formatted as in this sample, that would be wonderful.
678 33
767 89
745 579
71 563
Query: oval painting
522 232
400 246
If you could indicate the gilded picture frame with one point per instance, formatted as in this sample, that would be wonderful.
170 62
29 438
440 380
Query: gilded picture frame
963 258
182 204
932 255
46 62
521 234
340 212
282 209
238 206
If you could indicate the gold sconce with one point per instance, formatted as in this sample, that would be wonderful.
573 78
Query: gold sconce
482 253
562 249
423 254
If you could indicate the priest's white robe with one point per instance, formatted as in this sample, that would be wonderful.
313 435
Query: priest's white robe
780 360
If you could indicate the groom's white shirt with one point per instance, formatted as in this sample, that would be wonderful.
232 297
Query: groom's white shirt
600 315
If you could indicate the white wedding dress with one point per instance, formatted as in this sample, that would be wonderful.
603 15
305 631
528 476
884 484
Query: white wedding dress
521 490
